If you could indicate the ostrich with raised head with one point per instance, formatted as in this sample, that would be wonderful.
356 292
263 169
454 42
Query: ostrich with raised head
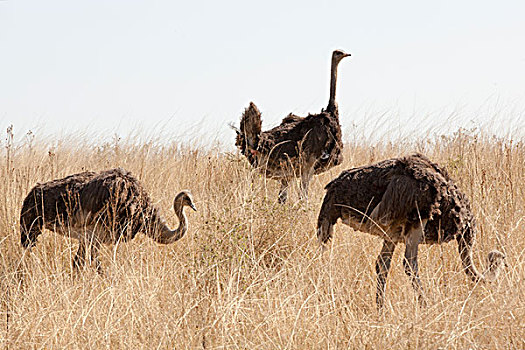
97 208
408 200
298 147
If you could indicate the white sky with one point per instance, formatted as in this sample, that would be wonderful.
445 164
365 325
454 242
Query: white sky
164 66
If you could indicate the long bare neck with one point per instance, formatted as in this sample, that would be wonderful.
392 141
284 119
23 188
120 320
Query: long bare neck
164 235
332 106
493 269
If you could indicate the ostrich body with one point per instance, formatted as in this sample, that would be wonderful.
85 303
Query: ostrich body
404 200
298 147
97 208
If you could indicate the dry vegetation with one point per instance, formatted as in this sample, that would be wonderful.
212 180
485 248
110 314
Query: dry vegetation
248 274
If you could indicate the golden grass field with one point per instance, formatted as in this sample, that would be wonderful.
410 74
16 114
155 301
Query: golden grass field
249 274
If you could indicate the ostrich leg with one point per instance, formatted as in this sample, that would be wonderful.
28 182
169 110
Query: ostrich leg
382 268
306 176
414 237
283 191
80 257
89 243
95 245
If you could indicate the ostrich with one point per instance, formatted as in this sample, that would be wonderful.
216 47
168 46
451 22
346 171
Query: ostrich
404 200
95 208
298 147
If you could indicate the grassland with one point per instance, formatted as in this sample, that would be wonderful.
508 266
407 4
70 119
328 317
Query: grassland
249 274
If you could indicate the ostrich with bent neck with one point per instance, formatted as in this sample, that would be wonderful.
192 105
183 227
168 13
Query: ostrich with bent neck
404 200
97 208
298 147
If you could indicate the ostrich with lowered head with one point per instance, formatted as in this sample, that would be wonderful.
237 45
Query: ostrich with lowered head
97 208
404 200
298 147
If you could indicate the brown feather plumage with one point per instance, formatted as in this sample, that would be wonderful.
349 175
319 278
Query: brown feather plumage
298 146
407 200
405 190
97 208
113 199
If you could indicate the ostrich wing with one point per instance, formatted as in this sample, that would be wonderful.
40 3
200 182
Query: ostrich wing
117 201
403 200
295 139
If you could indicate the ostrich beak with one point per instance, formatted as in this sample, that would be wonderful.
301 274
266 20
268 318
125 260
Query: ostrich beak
347 55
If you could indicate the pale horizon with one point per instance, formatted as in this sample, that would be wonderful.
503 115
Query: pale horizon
126 67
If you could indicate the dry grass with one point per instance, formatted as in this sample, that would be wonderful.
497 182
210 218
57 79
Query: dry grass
248 274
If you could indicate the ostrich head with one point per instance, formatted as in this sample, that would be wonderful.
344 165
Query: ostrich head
183 199
338 55
496 258
496 262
